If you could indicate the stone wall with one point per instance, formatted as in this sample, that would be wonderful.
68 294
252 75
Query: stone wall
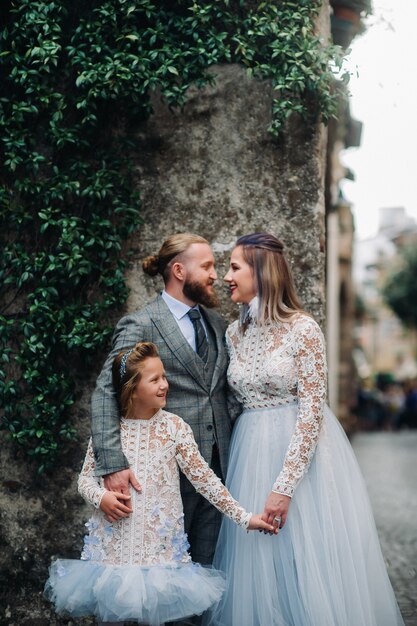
212 169
215 170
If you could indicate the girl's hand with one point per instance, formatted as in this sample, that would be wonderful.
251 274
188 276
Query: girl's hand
256 523
276 509
112 506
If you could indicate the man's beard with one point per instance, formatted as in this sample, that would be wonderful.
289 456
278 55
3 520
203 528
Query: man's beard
197 292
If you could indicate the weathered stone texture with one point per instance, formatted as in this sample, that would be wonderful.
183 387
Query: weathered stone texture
213 169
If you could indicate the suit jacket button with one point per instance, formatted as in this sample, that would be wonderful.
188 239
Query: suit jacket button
210 427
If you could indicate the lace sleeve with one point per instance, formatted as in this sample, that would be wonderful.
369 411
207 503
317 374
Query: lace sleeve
230 336
311 373
204 479
234 406
88 485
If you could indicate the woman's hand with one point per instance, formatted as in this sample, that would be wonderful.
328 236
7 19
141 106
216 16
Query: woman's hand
276 506
112 506
256 523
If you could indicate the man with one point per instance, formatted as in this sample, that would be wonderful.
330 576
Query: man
190 339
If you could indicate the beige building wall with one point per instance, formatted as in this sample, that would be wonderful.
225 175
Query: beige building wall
386 344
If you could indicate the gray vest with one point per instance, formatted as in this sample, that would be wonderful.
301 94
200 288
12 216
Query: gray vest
212 355
208 367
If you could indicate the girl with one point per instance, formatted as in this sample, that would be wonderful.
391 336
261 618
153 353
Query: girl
138 568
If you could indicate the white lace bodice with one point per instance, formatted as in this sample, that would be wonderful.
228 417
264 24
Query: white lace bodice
154 532
282 363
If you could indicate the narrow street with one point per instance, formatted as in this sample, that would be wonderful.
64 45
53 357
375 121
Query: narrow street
388 462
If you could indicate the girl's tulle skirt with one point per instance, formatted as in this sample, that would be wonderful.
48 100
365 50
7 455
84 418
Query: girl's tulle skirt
149 595
325 567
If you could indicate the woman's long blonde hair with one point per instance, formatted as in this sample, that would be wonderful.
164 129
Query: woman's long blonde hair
278 300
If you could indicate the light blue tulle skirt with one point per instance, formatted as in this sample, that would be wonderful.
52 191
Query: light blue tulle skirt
325 567
153 595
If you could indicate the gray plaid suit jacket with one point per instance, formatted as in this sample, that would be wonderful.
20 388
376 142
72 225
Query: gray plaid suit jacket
200 403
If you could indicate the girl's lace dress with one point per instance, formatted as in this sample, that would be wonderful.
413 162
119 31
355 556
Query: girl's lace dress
325 567
139 568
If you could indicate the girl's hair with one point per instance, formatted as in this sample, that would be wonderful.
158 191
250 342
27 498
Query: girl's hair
278 299
174 246
127 371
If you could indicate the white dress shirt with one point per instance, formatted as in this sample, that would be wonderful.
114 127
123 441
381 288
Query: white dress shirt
180 311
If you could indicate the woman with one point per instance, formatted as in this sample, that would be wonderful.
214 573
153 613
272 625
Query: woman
290 457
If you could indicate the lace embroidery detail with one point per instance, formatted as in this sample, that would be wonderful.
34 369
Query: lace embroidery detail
154 533
95 542
204 479
282 363
92 492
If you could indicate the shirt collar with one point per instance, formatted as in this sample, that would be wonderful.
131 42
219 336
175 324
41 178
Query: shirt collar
178 309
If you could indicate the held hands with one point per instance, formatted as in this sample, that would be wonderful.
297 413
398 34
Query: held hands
257 523
276 506
119 481
115 505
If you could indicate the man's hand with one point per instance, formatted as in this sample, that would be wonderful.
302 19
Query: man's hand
119 482
276 506
114 507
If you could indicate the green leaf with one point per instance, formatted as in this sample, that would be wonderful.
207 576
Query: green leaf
79 80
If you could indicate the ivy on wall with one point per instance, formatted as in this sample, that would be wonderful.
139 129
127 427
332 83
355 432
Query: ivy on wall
77 78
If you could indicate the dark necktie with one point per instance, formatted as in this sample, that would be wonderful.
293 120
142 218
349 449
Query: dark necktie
201 343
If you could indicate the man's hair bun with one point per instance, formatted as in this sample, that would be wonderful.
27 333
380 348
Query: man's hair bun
172 248
150 265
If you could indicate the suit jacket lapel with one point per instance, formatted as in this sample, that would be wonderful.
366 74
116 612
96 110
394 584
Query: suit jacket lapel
175 340
219 369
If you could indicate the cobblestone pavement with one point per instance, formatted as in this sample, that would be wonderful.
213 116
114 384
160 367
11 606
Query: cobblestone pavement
388 461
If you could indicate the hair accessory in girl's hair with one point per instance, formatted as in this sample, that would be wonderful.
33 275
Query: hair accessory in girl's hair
123 362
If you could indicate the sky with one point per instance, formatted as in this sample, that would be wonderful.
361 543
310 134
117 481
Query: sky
383 97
